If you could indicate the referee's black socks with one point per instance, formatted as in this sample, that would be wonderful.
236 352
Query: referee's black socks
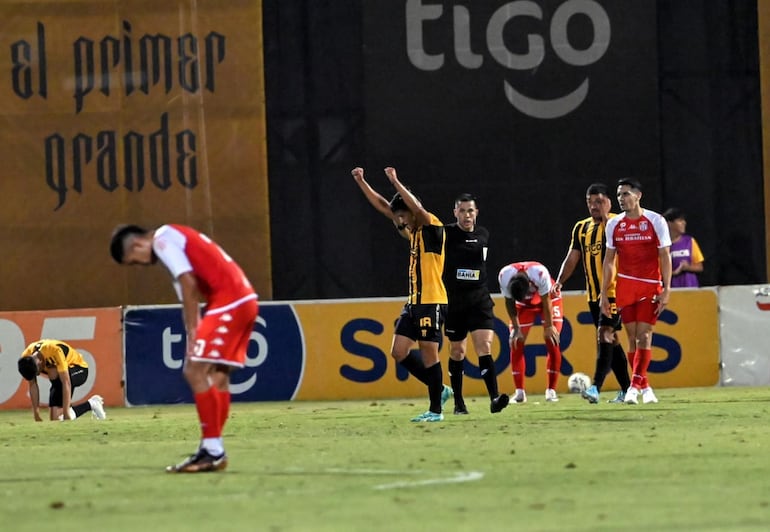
487 367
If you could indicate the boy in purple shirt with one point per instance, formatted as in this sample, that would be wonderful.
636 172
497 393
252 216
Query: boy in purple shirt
686 255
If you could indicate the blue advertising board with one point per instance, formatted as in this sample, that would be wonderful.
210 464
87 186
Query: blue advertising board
155 349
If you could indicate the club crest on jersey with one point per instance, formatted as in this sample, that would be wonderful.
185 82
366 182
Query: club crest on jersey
643 226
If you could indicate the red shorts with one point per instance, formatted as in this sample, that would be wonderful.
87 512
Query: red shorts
637 300
223 333
527 315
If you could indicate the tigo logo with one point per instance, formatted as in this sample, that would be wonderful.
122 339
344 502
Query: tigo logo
419 16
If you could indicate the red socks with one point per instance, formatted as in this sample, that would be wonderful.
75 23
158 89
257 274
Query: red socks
518 366
224 409
641 363
209 410
553 363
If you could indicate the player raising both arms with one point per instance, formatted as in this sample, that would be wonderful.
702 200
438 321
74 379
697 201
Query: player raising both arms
423 315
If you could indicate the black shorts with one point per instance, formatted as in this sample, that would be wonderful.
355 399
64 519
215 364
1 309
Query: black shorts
466 315
600 320
421 322
78 376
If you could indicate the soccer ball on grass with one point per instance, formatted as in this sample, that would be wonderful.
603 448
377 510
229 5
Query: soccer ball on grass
578 382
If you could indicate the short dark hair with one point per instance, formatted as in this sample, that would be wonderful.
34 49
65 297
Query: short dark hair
119 235
464 197
630 182
673 214
397 203
519 286
28 368
597 188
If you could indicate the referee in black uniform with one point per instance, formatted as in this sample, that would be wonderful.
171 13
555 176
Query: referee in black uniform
470 305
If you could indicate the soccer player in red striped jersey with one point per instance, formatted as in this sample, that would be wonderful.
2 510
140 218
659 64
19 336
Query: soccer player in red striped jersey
640 240
216 341
527 289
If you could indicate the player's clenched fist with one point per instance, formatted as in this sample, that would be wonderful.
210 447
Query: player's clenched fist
391 173
358 173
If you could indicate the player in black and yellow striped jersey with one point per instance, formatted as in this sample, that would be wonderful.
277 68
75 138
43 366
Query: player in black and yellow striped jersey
423 315
588 246
66 368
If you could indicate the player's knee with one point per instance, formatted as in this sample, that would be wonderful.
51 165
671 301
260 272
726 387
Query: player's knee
457 352
399 354
195 373
644 339
483 348
606 335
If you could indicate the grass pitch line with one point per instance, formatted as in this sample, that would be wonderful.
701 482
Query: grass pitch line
461 476
352 472
455 478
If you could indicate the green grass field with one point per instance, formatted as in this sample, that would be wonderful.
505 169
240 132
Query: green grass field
698 460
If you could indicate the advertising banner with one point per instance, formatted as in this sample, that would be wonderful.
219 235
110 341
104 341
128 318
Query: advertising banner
341 350
95 333
139 112
349 345
744 314
155 350
523 104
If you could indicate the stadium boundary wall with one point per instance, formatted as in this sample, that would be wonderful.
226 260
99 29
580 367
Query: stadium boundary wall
332 350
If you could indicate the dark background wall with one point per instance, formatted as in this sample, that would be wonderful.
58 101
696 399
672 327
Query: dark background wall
674 100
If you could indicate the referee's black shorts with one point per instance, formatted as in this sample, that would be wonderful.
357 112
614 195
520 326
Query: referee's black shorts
466 314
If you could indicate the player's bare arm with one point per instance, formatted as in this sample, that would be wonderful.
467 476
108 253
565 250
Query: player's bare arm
549 329
66 387
567 269
664 256
421 216
34 397
515 336
377 201
608 275
191 298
